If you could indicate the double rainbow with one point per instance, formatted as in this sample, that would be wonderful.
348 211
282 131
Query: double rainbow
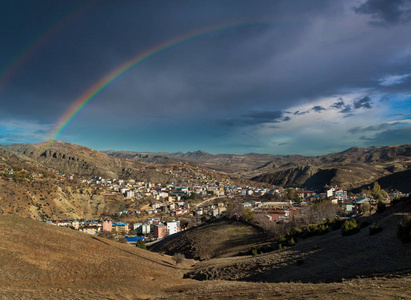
100 85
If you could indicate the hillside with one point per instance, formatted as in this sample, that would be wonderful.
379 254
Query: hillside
350 169
215 239
41 261
86 162
38 260
334 258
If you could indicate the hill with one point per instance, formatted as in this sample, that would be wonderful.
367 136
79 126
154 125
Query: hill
41 261
215 239
86 162
349 169
334 257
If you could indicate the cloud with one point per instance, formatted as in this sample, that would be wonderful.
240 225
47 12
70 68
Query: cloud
300 113
346 109
338 105
363 103
390 137
23 131
258 117
380 127
386 11
318 108
393 79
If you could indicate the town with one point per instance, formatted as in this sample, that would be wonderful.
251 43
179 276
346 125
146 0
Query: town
174 208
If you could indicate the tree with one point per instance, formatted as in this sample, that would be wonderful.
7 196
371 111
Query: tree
141 244
349 227
178 258
248 215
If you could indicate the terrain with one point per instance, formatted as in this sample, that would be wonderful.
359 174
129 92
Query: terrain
86 162
216 239
349 169
41 261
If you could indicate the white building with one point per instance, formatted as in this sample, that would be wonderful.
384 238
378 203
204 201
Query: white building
173 227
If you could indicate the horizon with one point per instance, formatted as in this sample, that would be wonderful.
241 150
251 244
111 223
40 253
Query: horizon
198 150
280 78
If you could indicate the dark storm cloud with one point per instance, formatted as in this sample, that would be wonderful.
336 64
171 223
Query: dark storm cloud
339 104
284 54
346 109
386 11
301 113
363 103
259 117
318 108
380 127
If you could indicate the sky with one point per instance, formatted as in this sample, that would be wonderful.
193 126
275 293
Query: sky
225 76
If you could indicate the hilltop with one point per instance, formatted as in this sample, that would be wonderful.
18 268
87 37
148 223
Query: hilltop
349 169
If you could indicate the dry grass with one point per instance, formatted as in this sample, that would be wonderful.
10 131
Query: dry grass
337 257
40 261
36 254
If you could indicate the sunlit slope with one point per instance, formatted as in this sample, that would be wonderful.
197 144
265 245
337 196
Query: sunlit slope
42 254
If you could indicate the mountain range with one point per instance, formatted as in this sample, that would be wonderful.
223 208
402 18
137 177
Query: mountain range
353 168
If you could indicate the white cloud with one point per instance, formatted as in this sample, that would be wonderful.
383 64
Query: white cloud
23 131
393 79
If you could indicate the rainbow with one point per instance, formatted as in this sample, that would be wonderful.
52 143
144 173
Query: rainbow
109 78
10 69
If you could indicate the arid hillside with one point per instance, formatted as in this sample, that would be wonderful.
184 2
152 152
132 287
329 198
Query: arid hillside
86 162
215 239
41 261
348 169
35 257
326 258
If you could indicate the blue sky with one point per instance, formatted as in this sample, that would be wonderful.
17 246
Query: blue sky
297 77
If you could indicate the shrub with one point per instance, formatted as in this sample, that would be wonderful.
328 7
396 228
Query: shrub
178 258
375 229
404 230
254 251
315 247
349 227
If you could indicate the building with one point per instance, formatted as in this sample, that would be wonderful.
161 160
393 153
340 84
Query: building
173 227
120 228
107 225
93 230
160 230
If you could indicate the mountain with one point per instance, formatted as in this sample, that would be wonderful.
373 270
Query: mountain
350 169
34 181
85 162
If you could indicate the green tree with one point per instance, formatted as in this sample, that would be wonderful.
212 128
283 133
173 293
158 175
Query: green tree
349 227
248 215
141 244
